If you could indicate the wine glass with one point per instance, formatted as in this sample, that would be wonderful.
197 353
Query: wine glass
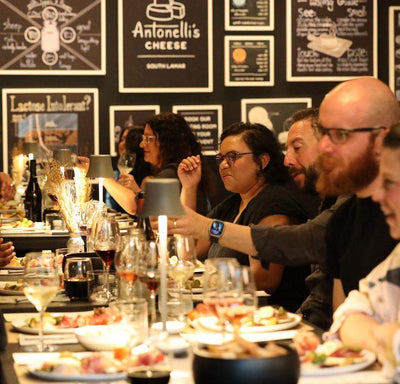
126 163
40 284
181 263
149 271
126 261
239 299
107 242
220 286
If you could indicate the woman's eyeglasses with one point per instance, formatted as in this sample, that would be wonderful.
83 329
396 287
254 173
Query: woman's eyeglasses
148 138
230 157
340 135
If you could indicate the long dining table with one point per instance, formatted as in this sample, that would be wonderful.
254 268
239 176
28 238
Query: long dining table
14 358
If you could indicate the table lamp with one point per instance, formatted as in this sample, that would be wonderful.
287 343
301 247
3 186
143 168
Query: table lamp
100 167
63 156
31 149
162 200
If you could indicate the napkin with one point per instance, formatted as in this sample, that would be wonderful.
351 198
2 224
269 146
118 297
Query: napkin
60 338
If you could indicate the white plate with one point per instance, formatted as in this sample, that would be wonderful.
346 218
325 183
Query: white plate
173 327
211 323
309 369
175 344
33 370
9 292
20 325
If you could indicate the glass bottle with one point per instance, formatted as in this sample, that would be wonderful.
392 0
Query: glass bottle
33 196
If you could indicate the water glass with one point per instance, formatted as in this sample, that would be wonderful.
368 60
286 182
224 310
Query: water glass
77 278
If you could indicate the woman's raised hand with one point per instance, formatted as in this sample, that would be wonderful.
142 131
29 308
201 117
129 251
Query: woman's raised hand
189 171
129 182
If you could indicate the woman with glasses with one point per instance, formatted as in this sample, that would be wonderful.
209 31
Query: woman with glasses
251 167
166 141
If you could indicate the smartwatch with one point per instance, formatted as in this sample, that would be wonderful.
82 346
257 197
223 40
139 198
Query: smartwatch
216 230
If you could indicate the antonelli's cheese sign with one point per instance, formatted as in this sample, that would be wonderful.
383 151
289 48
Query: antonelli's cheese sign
165 46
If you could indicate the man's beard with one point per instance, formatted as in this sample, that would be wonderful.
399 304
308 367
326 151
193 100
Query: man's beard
359 173
310 177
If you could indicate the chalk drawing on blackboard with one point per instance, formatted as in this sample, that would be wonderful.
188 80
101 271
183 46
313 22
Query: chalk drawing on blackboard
165 10
50 129
259 115
330 44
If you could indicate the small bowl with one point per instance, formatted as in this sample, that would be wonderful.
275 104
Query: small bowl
104 337
277 370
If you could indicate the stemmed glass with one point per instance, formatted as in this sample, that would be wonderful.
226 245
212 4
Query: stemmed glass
181 262
40 283
149 272
219 275
126 163
240 299
107 242
126 261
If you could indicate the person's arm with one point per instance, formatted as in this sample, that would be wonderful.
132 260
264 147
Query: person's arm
289 245
338 295
6 252
124 196
189 173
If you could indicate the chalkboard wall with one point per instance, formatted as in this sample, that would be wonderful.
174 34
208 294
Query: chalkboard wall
228 97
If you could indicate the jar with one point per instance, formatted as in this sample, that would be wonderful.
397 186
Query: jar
75 243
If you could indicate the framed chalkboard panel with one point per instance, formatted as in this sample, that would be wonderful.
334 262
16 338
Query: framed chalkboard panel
249 61
206 123
53 37
52 117
273 113
394 50
331 41
165 46
123 115
249 15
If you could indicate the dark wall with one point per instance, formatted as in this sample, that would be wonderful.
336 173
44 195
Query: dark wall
229 97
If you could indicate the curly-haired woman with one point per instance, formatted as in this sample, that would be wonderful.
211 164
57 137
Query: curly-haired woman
166 141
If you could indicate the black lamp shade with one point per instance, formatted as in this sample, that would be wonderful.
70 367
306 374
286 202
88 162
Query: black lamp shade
162 197
63 156
100 166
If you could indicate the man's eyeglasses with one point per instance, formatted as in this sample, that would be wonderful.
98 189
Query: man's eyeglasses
148 138
340 135
230 157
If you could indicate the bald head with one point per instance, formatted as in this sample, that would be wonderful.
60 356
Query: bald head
366 102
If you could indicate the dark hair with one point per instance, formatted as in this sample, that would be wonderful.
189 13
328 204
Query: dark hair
305 114
177 141
261 140
132 141
392 139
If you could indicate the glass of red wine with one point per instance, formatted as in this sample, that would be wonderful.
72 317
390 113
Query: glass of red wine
149 271
107 242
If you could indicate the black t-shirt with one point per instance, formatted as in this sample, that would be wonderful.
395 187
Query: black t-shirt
358 240
272 200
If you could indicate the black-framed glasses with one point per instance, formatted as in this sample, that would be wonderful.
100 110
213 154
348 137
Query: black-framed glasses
340 135
148 138
230 157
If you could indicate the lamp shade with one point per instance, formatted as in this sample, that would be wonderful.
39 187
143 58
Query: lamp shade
162 198
100 166
30 147
63 156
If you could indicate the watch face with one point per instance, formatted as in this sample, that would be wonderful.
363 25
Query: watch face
216 228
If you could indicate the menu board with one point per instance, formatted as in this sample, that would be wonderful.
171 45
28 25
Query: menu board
394 50
52 117
165 46
331 40
249 15
249 61
120 115
273 113
52 37
206 123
